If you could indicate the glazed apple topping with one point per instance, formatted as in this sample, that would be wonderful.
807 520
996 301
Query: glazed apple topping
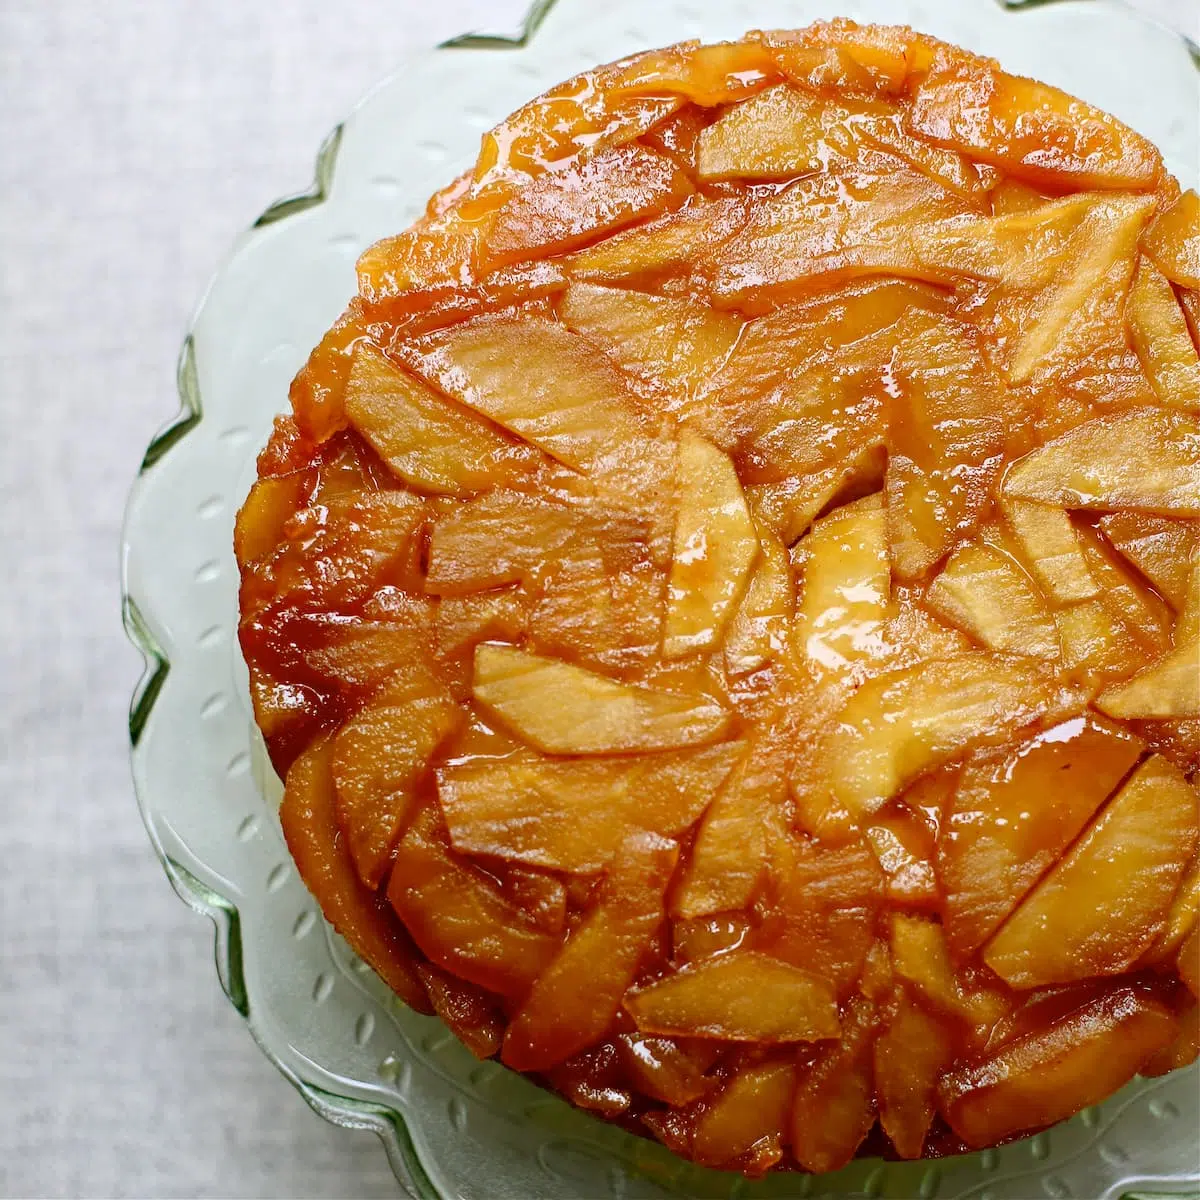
727 601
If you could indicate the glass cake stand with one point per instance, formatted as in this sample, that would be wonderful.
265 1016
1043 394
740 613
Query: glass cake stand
452 1126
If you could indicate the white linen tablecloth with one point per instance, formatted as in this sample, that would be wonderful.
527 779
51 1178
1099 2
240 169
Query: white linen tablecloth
137 138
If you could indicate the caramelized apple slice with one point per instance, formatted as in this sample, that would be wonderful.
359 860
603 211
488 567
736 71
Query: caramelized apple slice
1071 314
1167 688
945 438
671 343
600 613
1051 548
902 724
469 1011
1103 904
1159 547
663 1069
1182 1051
920 957
833 1110
758 628
729 854
458 916
539 381
273 501
845 225
724 73
1147 459
315 842
1029 129
1047 1075
783 133
985 593
661 249
715 547
843 56
379 757
563 709
905 848
790 506
427 440
751 1113
1013 815
462 622
738 996
1097 646
1173 241
702 937
574 1000
909 1055
847 587
1139 609
1182 916
1161 338
820 908
1188 962
582 202
572 815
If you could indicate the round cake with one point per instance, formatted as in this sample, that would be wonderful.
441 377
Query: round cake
726 601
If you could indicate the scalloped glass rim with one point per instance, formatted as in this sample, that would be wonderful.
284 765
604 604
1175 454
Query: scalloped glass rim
452 1126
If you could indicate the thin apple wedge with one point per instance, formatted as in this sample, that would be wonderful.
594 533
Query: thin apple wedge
599 613
750 1114
1052 1073
1169 687
273 501
673 344
715 547
573 815
945 439
665 1069
847 586
660 250
1145 459
1103 904
905 847
1029 129
819 908
1182 1051
1173 241
728 857
724 73
1098 648
909 1056
564 709
458 916
1161 338
582 202
1159 547
362 917
921 958
1012 816
833 1110
470 1012
738 996
840 226
427 440
1048 541
380 756
899 725
758 628
572 1004
538 380
987 595
1139 608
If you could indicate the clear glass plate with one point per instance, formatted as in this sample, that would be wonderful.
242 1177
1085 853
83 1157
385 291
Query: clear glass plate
454 1127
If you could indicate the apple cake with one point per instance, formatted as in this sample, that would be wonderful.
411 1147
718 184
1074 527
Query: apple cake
726 601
